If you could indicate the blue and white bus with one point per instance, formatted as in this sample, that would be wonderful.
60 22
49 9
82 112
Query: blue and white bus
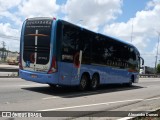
56 52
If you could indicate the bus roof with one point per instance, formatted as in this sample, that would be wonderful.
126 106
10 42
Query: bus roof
39 18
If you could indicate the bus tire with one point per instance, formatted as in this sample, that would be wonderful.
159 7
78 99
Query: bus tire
94 82
83 83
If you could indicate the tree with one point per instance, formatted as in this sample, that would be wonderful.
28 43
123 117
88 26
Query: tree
158 68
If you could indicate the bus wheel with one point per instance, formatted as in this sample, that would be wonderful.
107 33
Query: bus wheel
83 83
94 82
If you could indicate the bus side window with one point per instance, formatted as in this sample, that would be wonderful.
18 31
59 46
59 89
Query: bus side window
67 44
71 42
96 54
58 40
86 38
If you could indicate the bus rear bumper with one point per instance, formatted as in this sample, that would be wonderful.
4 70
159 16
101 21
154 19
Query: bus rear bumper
39 77
136 78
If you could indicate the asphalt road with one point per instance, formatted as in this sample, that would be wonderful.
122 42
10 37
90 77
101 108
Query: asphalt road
20 95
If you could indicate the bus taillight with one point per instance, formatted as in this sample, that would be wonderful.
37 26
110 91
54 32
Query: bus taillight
53 66
20 63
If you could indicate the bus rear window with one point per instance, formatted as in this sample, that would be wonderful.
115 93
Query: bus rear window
37 37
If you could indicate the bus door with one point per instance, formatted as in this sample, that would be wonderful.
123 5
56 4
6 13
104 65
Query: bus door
70 55
70 71
82 54
77 59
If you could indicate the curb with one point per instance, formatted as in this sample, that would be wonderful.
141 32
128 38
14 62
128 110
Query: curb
9 77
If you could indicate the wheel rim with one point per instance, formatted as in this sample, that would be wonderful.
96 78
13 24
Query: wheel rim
94 83
83 83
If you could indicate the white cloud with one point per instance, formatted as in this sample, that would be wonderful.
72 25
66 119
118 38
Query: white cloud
12 17
152 3
38 8
11 42
93 12
7 4
145 26
7 30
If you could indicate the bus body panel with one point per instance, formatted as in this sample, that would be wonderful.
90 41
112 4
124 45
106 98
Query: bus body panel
39 77
65 73
107 74
67 78
136 77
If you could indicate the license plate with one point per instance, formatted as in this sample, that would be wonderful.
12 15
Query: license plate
34 76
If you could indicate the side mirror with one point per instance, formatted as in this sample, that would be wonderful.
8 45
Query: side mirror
142 60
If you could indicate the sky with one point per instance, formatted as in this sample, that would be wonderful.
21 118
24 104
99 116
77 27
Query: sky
134 21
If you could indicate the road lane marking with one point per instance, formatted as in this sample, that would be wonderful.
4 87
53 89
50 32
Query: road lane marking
50 98
129 118
153 86
126 118
143 81
152 99
74 107
31 85
89 105
96 104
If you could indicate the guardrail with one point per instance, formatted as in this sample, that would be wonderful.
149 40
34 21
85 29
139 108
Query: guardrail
14 72
8 69
149 75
